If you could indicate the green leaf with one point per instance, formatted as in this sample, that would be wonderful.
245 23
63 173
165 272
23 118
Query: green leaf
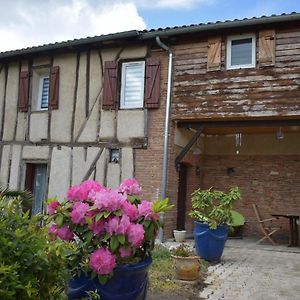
114 243
107 214
99 216
59 220
102 279
121 239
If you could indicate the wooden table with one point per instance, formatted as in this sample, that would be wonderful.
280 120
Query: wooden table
294 228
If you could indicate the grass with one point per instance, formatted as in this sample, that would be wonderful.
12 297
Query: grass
162 275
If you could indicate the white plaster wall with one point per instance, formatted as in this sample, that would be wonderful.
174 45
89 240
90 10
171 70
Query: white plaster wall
95 77
11 101
4 170
15 166
109 54
89 132
35 152
127 168
101 166
81 92
38 126
60 173
21 126
41 61
61 118
130 125
82 160
134 52
113 175
2 90
107 125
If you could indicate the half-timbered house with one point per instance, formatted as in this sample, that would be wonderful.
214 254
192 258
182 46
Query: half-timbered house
98 108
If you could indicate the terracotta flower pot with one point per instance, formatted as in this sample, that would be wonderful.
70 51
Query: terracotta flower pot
187 268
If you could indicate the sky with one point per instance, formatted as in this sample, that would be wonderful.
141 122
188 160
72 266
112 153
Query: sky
26 23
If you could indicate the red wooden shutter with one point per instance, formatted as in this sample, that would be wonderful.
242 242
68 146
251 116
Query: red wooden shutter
152 83
110 85
266 48
214 54
54 88
23 91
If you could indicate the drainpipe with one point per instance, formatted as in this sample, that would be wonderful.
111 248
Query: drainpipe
167 126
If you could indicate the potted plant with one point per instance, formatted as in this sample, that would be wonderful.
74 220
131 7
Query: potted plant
187 263
212 211
113 234
236 225
179 235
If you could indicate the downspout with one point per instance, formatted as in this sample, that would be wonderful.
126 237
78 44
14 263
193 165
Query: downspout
167 126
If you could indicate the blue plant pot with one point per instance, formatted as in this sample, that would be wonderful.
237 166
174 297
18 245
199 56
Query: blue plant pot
210 243
129 282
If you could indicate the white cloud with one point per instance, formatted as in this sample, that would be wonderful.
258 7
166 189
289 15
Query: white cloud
29 23
171 4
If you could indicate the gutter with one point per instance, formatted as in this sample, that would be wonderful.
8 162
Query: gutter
71 44
167 127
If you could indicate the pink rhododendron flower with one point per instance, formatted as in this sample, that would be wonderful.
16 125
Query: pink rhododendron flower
145 210
124 225
125 252
98 227
130 187
78 212
108 200
81 192
136 234
65 233
51 208
52 231
112 225
130 210
102 261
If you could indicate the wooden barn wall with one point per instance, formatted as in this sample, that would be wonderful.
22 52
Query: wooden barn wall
255 92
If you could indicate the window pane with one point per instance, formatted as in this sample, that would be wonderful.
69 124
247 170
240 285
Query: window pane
241 52
132 85
39 188
45 93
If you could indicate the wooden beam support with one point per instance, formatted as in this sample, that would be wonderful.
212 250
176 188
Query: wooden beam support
184 151
240 123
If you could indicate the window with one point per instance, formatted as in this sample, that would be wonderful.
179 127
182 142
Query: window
43 97
35 182
241 52
132 84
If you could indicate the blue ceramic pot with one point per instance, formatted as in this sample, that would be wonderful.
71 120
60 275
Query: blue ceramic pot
210 243
129 282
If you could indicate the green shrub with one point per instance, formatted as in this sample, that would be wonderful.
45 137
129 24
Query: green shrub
31 266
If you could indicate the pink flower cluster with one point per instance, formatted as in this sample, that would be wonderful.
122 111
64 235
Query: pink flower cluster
112 217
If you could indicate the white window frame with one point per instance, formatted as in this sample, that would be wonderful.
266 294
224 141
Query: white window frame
41 82
123 104
229 66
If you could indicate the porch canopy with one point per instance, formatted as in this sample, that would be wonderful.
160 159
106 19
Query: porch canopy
231 127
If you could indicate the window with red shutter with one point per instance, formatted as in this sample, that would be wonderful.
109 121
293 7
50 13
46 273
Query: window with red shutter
24 91
110 85
152 83
54 87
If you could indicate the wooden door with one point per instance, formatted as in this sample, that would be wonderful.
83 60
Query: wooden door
181 197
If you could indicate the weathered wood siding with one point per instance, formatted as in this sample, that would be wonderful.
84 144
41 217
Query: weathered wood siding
254 92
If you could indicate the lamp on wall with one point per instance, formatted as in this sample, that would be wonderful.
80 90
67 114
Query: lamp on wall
279 134
198 171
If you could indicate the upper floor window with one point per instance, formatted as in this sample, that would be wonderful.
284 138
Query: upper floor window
241 51
43 95
132 84
140 84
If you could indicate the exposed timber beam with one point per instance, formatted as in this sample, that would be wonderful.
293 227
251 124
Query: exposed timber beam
240 123
188 146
